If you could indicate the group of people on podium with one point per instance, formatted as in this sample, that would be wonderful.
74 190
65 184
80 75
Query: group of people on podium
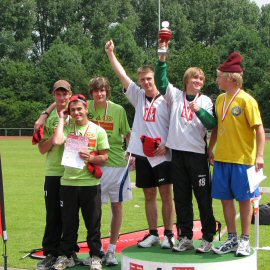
168 142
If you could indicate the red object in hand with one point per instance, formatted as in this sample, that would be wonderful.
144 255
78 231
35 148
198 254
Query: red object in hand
38 135
150 145
93 168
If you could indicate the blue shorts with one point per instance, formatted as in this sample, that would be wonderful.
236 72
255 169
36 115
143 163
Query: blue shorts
230 181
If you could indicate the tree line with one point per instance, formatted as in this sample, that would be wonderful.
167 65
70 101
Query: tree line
43 41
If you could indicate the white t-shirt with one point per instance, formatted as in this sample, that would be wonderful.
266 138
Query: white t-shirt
153 123
186 135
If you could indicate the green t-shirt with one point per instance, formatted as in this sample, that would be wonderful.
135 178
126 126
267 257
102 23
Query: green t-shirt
116 126
97 141
54 155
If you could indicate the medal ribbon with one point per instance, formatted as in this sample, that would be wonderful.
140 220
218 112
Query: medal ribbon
186 109
225 110
106 110
75 130
151 104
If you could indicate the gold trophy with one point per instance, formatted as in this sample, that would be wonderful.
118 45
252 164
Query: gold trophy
164 35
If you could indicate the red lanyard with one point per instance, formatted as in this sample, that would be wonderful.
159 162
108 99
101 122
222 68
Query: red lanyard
225 110
186 109
150 107
106 110
76 132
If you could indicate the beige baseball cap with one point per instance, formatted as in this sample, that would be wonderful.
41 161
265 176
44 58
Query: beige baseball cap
62 84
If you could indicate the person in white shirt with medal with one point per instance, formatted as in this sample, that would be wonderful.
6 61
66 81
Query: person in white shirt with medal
191 116
147 144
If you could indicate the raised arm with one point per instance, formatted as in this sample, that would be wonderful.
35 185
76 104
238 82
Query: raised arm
161 77
116 65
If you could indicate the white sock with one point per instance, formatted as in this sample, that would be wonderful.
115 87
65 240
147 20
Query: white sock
112 248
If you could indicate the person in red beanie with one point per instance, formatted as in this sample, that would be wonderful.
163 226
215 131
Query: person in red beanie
240 139
80 189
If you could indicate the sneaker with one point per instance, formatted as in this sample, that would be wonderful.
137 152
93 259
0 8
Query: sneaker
168 241
204 247
110 259
46 263
230 245
96 263
243 248
87 261
148 241
63 262
184 244
77 260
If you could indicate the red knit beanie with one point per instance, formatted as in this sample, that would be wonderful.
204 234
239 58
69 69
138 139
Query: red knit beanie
232 64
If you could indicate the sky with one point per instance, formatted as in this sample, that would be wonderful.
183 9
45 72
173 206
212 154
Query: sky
261 2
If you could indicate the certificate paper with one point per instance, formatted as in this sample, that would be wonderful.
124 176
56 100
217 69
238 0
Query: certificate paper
74 144
254 178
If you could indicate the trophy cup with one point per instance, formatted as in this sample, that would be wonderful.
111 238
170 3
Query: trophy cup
164 35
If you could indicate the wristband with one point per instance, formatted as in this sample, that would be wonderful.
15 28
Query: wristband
45 112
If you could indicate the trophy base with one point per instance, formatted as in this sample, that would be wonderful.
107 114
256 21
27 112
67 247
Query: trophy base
162 51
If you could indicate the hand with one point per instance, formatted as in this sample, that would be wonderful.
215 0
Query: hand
211 157
132 159
85 155
63 113
160 151
162 44
259 163
109 46
194 107
41 121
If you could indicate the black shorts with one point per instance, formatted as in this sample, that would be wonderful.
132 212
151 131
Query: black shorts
148 176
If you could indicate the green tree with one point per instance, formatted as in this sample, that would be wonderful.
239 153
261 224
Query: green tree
54 17
264 25
211 19
16 25
63 62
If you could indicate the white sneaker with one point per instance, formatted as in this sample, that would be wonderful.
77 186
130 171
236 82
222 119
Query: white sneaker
204 247
63 262
230 245
184 244
87 261
96 263
110 259
243 248
148 241
168 241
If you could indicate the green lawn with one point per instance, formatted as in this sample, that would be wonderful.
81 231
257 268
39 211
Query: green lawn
23 172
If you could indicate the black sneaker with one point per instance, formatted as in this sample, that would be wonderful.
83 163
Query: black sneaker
46 263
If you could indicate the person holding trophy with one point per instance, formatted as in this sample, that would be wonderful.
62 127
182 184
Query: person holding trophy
191 116
147 144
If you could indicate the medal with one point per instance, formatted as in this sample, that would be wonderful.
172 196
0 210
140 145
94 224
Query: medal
225 110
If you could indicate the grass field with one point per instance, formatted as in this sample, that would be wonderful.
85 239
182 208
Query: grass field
23 173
